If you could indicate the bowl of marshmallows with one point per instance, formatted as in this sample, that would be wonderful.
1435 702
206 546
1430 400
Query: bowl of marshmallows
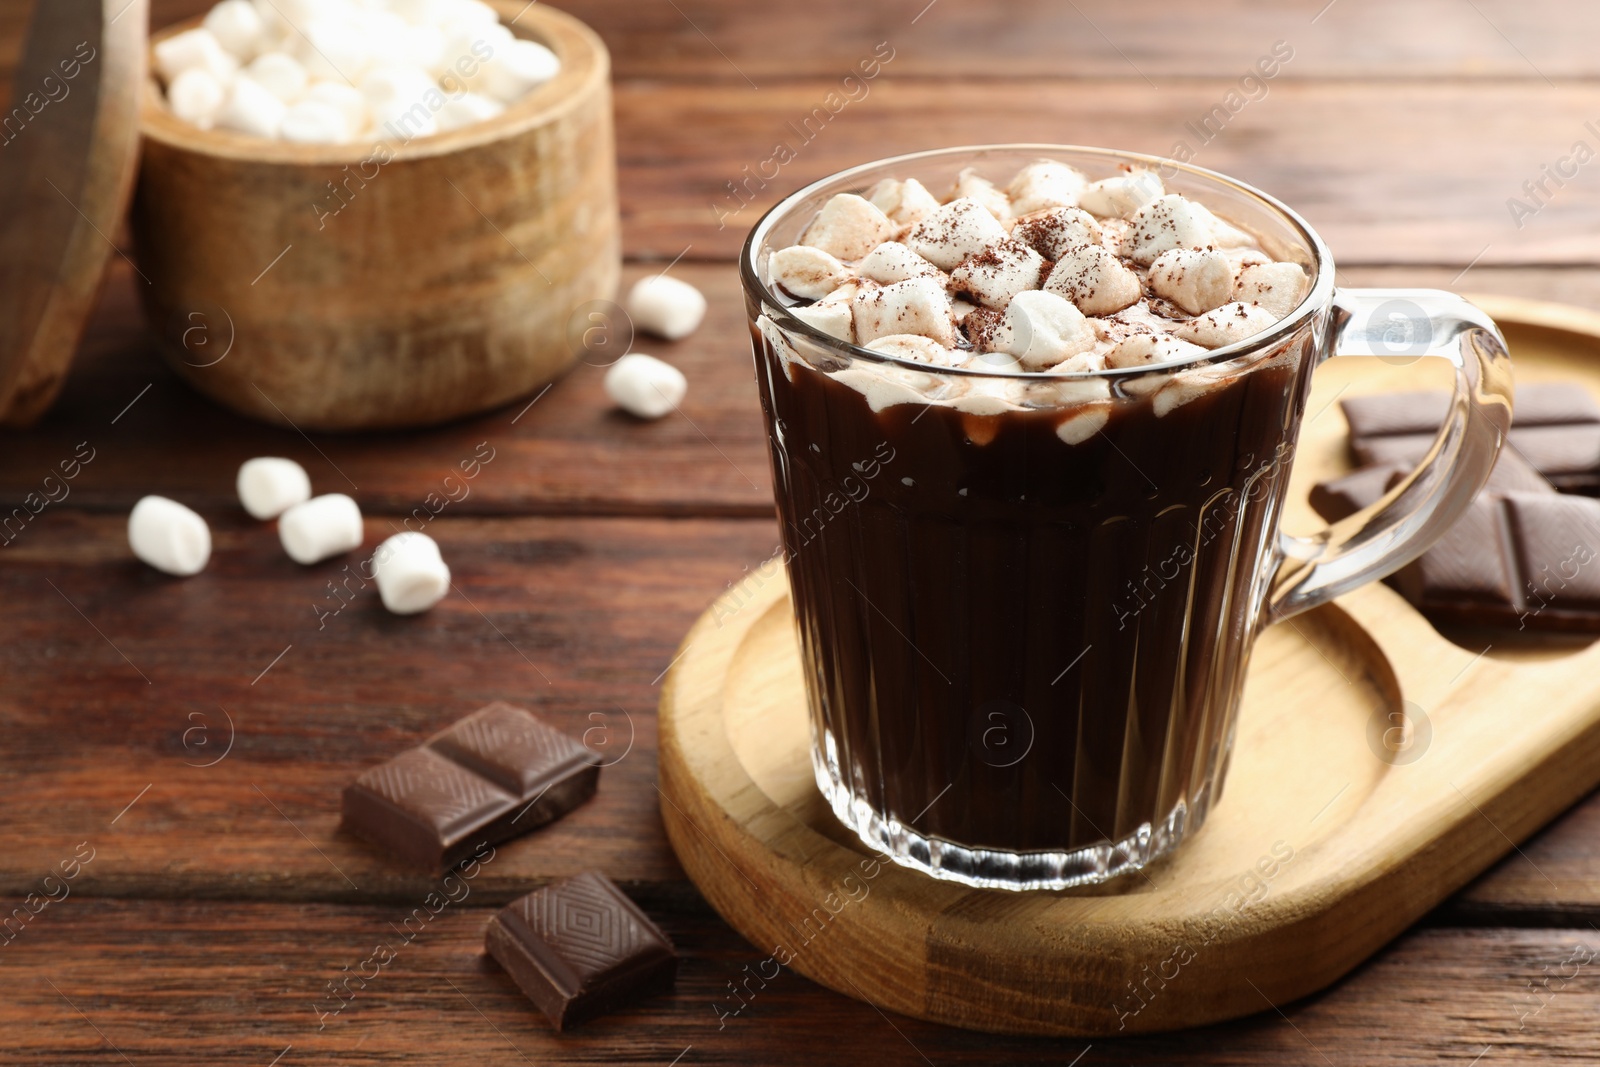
368 214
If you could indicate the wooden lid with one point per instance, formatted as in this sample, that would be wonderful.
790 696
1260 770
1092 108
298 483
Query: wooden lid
69 145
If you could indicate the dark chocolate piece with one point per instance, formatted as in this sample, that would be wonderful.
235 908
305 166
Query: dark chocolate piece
497 773
1555 427
581 948
1340 498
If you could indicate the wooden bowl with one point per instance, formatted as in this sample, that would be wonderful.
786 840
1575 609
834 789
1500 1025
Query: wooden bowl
396 284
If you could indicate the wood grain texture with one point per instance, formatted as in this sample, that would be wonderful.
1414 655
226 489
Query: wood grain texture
89 982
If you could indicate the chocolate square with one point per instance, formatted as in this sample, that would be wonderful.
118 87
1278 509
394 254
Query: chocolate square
423 807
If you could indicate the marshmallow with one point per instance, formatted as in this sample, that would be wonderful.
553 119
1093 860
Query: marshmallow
1167 223
1043 329
916 347
1083 423
806 272
1053 232
424 46
169 537
518 69
1147 349
1121 196
348 99
645 386
472 12
893 262
833 318
320 528
280 74
192 49
974 186
849 291
904 202
314 122
1278 287
885 385
1195 281
918 306
468 109
269 486
404 121
957 230
422 12
666 307
848 227
960 309
1223 234
251 109
410 573
1043 184
397 87
999 272
1226 325
1094 279
340 49
237 26
196 96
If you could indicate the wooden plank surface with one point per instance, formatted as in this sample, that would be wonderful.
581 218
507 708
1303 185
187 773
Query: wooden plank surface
95 982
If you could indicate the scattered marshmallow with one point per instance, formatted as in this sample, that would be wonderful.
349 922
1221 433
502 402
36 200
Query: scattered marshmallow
974 186
280 74
269 486
848 227
314 122
999 272
959 229
832 317
251 109
518 69
666 307
1120 197
645 386
1094 280
918 306
894 262
1043 184
169 537
1226 325
808 273
411 574
1043 329
904 202
1278 287
320 528
194 49
1195 281
1148 349
196 96
238 27
1053 232
1167 223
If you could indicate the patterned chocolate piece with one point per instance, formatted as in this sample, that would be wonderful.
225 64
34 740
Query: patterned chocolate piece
580 948
496 774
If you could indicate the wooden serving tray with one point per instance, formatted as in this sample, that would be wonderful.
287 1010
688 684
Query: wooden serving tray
1331 836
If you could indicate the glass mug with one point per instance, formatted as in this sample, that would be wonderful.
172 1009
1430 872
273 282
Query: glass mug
1025 624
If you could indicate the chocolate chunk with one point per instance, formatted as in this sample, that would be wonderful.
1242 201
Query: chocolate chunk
498 773
1556 428
1340 498
580 948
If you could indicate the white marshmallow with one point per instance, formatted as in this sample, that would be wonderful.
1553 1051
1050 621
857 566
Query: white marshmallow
191 49
518 69
806 272
280 74
1195 281
645 386
424 46
1148 349
1042 329
918 306
348 99
1226 324
957 230
169 537
848 227
468 109
960 309
904 202
974 186
422 12
1121 196
472 12
340 49
403 121
849 291
411 574
893 262
1083 423
314 122
196 96
1224 234
886 385
269 486
1167 223
320 528
916 347
1278 287
1094 279
666 306
397 86
1053 232
1000 272
251 108
833 318
1045 183
237 26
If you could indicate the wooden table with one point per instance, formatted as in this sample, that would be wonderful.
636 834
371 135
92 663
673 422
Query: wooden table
221 902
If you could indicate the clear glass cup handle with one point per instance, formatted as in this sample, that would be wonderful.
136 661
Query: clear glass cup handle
1404 324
